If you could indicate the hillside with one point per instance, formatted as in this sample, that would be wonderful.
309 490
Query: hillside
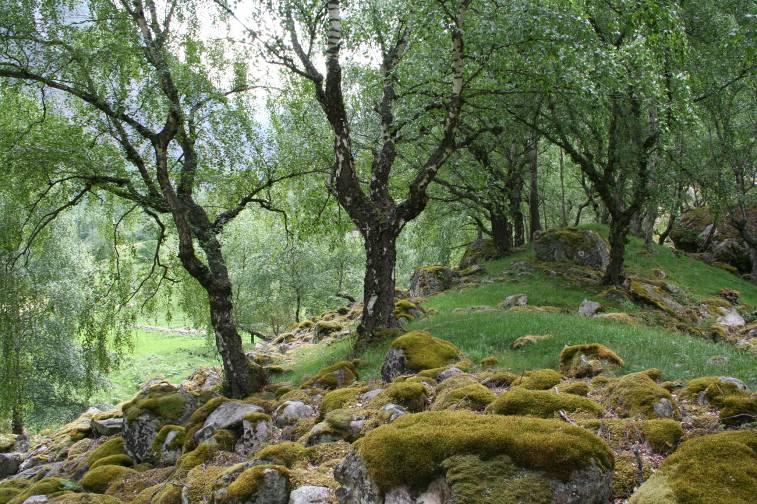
478 402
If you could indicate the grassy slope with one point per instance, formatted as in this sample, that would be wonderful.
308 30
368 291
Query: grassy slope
482 334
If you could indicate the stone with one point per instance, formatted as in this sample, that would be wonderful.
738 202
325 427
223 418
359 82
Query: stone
513 300
9 464
579 246
255 434
357 485
36 499
448 373
252 483
731 319
290 412
228 415
393 411
655 295
367 396
739 384
309 494
664 408
479 251
107 426
430 280
589 308
203 380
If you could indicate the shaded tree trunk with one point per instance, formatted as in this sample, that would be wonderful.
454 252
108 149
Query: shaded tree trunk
501 232
664 235
17 420
379 285
614 274
533 197
753 257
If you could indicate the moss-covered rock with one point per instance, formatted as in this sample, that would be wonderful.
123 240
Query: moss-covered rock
50 487
541 403
411 395
479 251
110 448
661 435
167 446
430 280
587 360
497 379
121 460
714 468
338 398
412 451
637 395
579 246
324 328
579 388
528 339
200 455
258 484
406 310
198 485
84 498
651 293
335 376
540 379
474 396
98 479
416 351
286 453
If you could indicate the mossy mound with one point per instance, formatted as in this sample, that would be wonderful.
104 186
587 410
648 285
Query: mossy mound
411 450
423 351
7 442
84 498
579 388
286 453
177 435
587 360
714 468
662 435
338 398
334 376
579 246
474 397
637 395
406 310
98 479
119 460
411 395
164 401
540 379
47 486
200 455
170 493
199 483
497 379
114 446
541 403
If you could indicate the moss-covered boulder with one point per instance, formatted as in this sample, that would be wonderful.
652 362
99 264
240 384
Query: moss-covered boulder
417 351
542 403
20 490
98 480
479 251
474 397
656 295
430 280
579 246
580 361
252 484
84 498
707 469
337 375
151 409
168 444
539 379
638 395
411 395
660 435
557 462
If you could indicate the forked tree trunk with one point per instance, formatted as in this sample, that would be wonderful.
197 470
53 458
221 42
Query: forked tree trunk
379 284
614 274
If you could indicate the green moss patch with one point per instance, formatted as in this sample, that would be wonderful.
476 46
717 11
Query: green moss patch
411 395
334 376
474 397
98 480
637 394
109 448
120 460
715 468
338 398
46 486
423 351
247 483
200 455
541 379
579 388
541 403
286 453
84 498
165 404
199 483
411 450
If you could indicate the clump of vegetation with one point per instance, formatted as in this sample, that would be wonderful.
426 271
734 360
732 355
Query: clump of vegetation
285 453
337 375
410 450
423 351
528 339
200 455
578 360
475 397
637 394
336 399
541 379
200 481
541 403
711 468
98 480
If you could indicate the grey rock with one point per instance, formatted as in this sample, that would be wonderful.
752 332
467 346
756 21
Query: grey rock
449 373
107 427
578 246
170 455
291 412
273 488
36 499
513 300
431 280
739 384
228 415
310 495
393 411
9 464
731 319
589 308
254 436
664 408
395 364
367 396
357 485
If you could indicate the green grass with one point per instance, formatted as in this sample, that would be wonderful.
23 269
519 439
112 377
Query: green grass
156 355
481 334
